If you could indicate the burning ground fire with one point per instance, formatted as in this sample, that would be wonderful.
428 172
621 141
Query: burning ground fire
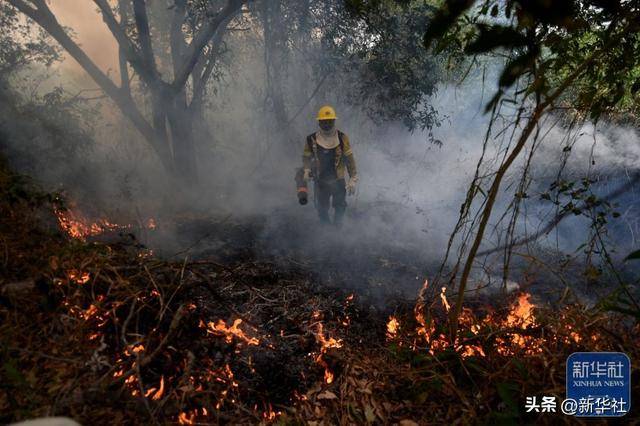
78 226
221 329
517 336
326 343
261 352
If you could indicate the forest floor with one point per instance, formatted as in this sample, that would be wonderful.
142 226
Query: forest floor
104 331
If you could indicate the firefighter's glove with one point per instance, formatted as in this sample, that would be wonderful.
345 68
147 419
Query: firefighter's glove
307 175
351 185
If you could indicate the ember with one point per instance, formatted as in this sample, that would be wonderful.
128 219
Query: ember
78 277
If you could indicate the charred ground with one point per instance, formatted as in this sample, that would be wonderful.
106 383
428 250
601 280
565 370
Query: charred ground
105 332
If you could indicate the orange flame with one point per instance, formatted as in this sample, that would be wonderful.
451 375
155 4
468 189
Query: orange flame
325 344
186 418
392 327
156 396
520 316
328 376
443 297
78 226
221 329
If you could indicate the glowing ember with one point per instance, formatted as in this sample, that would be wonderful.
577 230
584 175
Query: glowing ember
471 350
135 350
392 327
90 312
221 329
78 277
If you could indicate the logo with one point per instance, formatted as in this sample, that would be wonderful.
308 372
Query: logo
598 384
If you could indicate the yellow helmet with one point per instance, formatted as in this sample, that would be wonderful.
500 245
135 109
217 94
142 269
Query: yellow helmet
326 113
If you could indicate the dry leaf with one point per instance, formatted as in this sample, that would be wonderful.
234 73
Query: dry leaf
327 395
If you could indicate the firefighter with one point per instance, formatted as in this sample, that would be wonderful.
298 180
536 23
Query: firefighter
327 153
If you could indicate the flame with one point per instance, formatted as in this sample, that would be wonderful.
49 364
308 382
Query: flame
230 332
423 329
78 226
135 349
328 376
520 317
392 327
326 343
269 414
186 418
156 396
443 297
521 313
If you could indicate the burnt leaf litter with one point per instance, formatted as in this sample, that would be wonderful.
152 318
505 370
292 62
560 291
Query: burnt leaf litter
104 331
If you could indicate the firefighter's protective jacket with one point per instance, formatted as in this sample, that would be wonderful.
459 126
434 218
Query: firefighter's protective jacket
343 156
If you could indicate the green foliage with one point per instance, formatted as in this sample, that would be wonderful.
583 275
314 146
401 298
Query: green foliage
547 41
391 75
507 393
21 44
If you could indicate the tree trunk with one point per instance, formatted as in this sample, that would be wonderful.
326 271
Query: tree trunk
275 52
165 108
180 120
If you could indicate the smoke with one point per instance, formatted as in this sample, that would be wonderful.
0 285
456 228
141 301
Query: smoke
409 195
92 34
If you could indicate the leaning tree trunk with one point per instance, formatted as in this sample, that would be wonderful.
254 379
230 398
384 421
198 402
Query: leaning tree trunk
169 117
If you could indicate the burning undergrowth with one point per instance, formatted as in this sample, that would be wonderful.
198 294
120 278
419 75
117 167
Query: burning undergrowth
108 333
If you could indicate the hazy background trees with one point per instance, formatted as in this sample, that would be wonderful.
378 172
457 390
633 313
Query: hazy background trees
311 52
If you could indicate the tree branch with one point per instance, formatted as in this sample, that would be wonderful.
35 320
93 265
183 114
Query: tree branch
201 39
177 41
623 189
539 110
122 58
46 19
129 50
144 35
